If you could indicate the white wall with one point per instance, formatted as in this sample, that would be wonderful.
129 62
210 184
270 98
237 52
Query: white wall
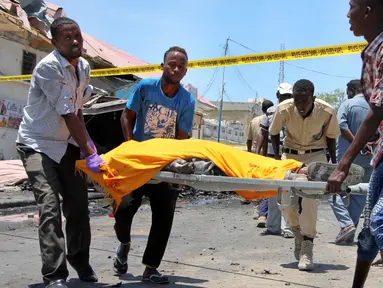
233 133
11 57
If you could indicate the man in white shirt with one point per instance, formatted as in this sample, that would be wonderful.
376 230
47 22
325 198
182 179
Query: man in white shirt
50 139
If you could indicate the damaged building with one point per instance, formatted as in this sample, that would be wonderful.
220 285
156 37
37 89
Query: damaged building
25 40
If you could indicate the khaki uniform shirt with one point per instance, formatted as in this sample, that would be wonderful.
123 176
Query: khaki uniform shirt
255 130
305 133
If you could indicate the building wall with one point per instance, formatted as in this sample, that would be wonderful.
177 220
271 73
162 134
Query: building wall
230 132
11 58
243 117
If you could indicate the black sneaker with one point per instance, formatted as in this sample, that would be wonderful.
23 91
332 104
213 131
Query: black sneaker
345 235
88 275
120 262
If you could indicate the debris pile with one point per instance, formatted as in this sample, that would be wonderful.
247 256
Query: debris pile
190 193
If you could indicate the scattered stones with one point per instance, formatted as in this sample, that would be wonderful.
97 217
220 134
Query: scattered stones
268 272
192 194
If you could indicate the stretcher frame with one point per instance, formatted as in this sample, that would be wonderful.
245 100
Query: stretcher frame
306 189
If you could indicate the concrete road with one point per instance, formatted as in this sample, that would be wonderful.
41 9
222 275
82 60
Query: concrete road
212 245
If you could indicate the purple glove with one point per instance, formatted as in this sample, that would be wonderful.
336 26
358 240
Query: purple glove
90 142
93 163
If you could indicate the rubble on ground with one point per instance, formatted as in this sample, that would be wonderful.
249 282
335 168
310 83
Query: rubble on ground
189 193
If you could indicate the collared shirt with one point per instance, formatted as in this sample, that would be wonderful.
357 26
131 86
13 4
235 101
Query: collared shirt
305 133
54 90
351 115
372 84
255 130
265 125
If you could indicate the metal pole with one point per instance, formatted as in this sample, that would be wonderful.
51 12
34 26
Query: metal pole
222 92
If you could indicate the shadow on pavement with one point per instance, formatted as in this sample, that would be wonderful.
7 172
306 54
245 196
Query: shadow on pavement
319 268
354 243
136 282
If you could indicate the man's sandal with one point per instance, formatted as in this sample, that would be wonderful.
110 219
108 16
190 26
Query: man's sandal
156 279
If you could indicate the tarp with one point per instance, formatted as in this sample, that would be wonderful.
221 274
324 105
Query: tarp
133 164
12 172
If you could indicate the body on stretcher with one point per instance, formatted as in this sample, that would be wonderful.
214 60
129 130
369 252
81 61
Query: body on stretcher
306 189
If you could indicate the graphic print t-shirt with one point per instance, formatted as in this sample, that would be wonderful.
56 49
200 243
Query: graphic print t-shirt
158 116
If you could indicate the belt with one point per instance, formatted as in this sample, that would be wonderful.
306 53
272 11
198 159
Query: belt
300 152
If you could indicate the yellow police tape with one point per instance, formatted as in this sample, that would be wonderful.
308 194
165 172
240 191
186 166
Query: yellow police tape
324 51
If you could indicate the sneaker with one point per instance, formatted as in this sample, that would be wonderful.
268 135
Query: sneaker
120 262
87 275
267 232
288 234
57 284
261 222
256 211
321 171
306 256
377 263
346 233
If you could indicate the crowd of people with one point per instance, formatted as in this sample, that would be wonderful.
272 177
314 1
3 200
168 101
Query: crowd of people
53 136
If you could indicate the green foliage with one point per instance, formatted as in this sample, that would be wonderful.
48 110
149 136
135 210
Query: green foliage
335 98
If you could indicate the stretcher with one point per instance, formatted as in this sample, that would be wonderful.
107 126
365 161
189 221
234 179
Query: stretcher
306 189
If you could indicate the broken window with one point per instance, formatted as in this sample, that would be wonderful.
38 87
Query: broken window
29 63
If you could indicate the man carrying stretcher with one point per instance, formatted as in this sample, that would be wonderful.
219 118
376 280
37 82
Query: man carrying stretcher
131 165
158 108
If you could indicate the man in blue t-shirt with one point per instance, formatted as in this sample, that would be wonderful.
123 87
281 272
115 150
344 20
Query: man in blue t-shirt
158 108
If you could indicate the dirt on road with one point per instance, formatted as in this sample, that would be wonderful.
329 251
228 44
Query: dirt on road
212 245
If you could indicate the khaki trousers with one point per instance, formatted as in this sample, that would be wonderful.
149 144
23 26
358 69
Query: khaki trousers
307 221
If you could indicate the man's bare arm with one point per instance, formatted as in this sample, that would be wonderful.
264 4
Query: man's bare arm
249 145
365 133
82 120
276 140
128 120
77 131
331 145
262 143
348 135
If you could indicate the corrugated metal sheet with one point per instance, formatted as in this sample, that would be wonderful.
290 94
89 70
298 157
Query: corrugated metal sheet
96 48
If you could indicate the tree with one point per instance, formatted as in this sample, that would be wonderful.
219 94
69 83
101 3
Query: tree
335 98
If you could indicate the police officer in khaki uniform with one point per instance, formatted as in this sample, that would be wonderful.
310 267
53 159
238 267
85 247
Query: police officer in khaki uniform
311 126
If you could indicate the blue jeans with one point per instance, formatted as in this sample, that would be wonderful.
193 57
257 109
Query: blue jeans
370 239
350 215
263 208
276 222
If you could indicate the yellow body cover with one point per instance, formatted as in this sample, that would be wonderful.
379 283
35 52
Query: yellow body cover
133 164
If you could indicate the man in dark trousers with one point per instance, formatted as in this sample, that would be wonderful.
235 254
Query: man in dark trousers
50 139
158 108
366 19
